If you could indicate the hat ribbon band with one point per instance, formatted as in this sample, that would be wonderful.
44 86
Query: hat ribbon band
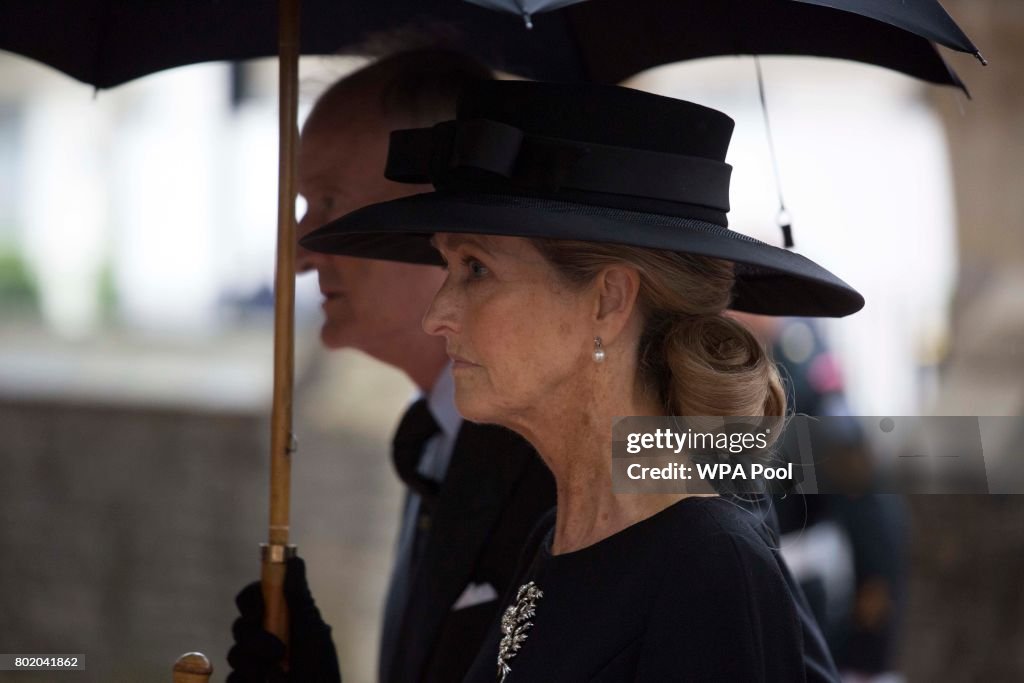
440 154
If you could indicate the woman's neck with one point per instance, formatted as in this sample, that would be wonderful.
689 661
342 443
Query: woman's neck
577 445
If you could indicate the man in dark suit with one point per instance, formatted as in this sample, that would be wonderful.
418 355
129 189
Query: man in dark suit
473 492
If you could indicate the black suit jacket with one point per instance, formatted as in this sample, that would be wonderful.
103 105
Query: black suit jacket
495 491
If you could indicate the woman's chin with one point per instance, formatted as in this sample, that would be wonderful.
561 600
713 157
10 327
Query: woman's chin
472 407
472 412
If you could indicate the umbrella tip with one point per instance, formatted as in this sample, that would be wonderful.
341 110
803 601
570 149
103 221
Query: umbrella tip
786 226
984 62
787 236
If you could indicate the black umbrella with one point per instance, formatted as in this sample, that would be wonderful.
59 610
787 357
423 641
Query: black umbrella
618 45
106 42
925 18
526 8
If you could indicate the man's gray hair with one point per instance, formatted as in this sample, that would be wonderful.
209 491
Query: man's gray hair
412 88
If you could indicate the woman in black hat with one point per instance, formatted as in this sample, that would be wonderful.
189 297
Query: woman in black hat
589 267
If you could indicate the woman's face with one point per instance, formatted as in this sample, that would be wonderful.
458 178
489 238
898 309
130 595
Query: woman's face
518 337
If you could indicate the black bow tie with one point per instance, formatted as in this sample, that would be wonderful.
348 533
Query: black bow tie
415 429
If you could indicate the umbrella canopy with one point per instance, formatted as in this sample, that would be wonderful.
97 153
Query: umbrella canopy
107 42
924 17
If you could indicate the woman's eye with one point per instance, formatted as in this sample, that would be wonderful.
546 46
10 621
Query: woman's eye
477 270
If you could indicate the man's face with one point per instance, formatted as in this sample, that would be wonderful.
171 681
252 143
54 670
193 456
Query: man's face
375 306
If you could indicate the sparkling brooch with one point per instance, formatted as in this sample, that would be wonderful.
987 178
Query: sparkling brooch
515 622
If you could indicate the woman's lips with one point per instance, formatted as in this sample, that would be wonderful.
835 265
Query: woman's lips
459 363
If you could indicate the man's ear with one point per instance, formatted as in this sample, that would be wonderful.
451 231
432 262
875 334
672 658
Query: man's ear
617 289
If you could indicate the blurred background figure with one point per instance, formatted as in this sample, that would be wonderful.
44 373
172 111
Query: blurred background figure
849 553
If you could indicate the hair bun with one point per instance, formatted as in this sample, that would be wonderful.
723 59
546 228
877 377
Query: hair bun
718 367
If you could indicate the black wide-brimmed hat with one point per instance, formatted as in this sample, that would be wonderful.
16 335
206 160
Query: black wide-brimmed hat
581 162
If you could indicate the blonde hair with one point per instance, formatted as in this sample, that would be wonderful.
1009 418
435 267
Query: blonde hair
692 358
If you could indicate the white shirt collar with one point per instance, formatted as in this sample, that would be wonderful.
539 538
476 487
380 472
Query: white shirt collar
441 401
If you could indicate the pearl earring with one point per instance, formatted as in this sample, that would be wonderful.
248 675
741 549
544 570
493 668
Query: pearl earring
598 350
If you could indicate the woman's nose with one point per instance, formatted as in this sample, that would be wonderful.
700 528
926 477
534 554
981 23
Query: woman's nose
441 317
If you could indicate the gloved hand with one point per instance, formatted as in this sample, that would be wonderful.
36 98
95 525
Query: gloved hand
256 655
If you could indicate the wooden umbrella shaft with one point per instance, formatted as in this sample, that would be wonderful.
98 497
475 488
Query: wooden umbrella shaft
275 618
194 667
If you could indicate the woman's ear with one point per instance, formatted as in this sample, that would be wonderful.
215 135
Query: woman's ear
617 290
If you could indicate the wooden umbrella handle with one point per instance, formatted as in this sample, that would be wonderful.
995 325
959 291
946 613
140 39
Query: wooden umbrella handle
192 667
272 573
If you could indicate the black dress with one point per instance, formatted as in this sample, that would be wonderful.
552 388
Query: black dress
693 593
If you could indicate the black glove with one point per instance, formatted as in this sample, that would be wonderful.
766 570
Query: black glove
256 655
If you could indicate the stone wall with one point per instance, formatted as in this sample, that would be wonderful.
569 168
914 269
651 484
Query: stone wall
128 528
126 532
